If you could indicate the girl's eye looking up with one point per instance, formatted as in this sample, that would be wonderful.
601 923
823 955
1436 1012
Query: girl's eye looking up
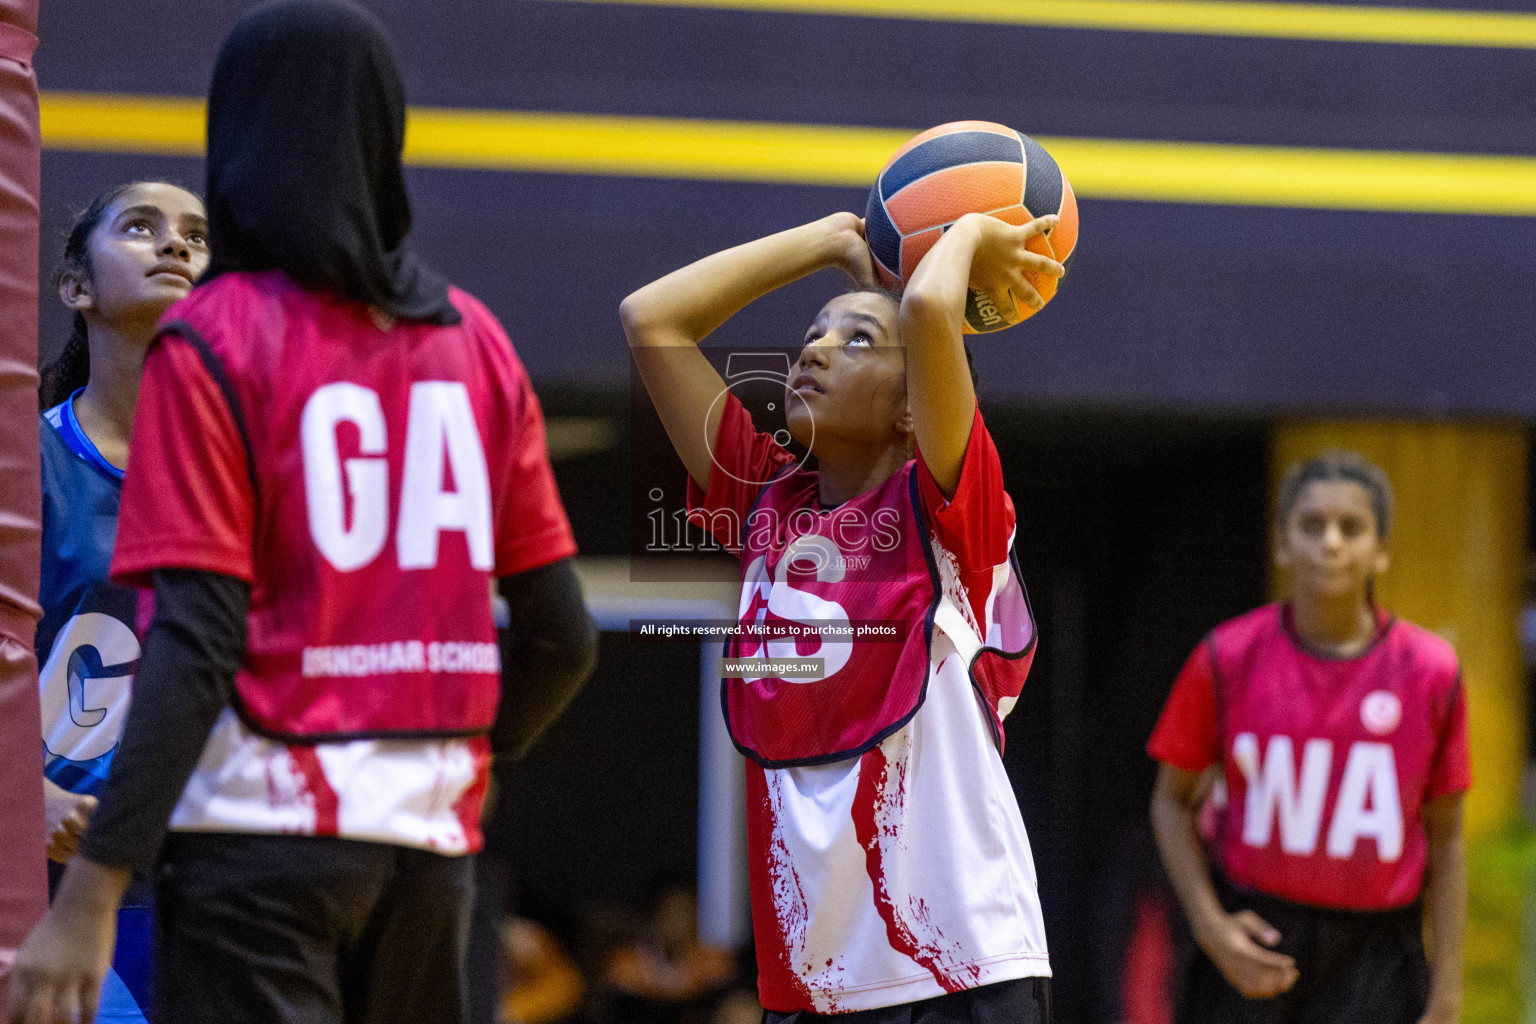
861 339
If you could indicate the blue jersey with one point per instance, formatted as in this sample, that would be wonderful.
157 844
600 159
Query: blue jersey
86 637
89 649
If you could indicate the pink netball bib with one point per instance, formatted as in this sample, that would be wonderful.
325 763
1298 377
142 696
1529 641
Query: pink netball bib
860 590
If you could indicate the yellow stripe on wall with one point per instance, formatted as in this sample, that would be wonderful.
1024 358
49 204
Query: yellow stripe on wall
1336 22
651 147
1347 179
838 155
112 123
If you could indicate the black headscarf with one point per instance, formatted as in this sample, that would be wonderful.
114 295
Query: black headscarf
306 122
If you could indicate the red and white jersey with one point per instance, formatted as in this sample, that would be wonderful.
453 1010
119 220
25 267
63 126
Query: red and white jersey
421 793
1327 762
902 871
368 479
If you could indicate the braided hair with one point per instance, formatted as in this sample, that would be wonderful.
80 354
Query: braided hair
72 368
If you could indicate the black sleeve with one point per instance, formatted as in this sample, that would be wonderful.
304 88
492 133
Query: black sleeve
547 653
186 677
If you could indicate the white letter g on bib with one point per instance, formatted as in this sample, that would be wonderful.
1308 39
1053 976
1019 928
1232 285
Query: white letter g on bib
367 478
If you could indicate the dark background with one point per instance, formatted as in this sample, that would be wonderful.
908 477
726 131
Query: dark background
1169 306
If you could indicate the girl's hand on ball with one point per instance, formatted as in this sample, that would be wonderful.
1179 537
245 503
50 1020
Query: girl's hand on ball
1004 261
850 251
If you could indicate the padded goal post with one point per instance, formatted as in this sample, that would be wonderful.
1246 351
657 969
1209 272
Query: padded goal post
23 876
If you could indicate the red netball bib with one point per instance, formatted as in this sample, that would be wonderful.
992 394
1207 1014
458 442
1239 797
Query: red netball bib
861 588
1329 761
369 483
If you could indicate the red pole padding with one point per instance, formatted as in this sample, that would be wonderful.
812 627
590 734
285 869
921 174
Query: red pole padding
23 873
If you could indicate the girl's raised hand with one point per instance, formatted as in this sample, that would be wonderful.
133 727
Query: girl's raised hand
853 254
1004 261
666 320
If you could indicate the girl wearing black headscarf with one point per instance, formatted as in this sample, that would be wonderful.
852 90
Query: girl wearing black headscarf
334 453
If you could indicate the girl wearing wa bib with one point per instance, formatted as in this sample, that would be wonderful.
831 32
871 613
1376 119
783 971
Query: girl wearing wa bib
1339 735
883 632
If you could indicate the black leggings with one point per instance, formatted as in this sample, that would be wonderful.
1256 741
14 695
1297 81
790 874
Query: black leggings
1020 1001
277 929
1354 966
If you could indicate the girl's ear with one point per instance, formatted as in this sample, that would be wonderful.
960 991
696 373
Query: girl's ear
1383 561
1282 551
75 291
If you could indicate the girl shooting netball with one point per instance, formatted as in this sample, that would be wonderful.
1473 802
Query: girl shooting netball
889 863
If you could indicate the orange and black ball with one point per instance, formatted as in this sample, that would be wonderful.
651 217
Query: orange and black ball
968 167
